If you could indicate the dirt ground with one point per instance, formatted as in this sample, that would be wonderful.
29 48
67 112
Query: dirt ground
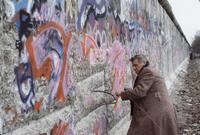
186 97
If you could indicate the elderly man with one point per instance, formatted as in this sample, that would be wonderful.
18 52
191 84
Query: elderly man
151 108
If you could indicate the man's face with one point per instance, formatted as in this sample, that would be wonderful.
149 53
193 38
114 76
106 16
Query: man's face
137 65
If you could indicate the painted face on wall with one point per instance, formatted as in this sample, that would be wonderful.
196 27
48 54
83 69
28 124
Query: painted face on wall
137 65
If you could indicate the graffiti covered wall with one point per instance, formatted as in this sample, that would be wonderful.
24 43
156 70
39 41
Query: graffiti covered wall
62 61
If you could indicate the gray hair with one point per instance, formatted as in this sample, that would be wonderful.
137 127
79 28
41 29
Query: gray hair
142 58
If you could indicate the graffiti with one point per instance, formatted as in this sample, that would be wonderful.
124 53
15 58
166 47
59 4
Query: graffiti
92 44
25 83
104 33
27 21
37 104
47 51
87 43
45 68
20 4
89 6
37 5
118 66
69 7
44 43
61 128
122 28
25 27
58 5
94 22
100 126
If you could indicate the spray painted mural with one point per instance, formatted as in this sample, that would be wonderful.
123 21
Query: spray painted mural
62 44
43 44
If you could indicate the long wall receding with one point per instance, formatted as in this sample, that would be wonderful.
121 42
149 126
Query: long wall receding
63 60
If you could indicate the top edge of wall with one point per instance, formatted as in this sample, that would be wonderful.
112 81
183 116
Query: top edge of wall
167 7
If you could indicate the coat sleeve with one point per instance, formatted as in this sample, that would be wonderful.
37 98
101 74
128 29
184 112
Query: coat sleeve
141 89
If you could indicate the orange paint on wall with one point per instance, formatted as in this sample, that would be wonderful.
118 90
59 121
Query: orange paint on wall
84 44
37 104
45 69
60 128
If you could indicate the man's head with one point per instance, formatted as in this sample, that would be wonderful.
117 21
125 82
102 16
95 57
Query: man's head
138 61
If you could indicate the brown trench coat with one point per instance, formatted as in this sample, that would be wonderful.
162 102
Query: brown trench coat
152 111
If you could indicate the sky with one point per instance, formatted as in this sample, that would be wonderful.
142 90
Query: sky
187 13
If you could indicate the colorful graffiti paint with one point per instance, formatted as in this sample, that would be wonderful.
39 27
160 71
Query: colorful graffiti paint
118 66
61 128
100 126
45 67
43 40
25 84
47 43
105 32
45 57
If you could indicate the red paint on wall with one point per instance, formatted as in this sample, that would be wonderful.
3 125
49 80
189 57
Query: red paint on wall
45 69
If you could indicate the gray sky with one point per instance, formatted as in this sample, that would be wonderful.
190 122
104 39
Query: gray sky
187 13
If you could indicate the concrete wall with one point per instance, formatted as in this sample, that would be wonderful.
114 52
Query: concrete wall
56 56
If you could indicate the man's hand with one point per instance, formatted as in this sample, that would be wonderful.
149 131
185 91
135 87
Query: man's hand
117 94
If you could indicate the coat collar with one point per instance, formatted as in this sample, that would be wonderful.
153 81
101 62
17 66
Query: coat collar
138 75
141 70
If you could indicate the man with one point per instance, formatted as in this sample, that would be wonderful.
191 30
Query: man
151 109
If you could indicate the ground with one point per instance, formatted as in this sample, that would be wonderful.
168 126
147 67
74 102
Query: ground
186 97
